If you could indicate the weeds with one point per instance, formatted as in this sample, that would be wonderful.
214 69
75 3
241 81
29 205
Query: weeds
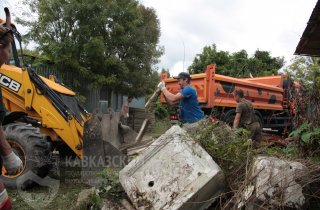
231 150
110 186
309 135
96 201
291 151
110 189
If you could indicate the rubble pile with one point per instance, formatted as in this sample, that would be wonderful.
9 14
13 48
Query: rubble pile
209 164
275 183
253 181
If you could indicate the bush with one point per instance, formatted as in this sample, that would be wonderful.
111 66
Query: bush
229 148
110 186
160 111
309 135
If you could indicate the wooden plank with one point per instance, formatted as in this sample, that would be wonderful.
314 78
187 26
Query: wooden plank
136 150
142 130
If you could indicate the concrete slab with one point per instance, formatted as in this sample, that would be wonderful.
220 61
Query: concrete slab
275 183
174 172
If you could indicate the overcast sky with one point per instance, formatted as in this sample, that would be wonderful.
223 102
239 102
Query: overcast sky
189 25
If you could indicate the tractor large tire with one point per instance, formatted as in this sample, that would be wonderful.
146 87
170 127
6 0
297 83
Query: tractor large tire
34 151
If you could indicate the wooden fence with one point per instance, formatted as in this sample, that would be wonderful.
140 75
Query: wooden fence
137 117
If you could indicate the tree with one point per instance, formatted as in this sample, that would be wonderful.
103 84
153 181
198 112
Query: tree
35 59
113 43
163 70
306 100
305 70
237 64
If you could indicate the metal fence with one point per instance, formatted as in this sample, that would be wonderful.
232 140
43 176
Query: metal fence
94 98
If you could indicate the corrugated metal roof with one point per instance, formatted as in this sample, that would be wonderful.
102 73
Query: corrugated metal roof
310 41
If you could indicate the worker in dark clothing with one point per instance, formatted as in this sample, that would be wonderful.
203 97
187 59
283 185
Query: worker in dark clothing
246 118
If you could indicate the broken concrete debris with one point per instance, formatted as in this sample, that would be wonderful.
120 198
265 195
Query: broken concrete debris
174 172
274 184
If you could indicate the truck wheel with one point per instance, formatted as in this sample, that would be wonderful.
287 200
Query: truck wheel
229 117
259 118
32 148
231 114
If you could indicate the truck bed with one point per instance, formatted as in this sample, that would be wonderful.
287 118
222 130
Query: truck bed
216 90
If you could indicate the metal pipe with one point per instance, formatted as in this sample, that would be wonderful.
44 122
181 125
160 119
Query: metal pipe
8 18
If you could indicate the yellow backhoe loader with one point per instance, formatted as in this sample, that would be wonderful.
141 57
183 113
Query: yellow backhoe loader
41 113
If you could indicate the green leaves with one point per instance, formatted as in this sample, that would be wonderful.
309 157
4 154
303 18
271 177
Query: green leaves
306 70
113 42
300 130
307 133
306 137
160 111
237 64
228 147
110 185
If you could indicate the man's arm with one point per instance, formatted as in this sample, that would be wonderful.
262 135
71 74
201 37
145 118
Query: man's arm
170 102
237 120
171 98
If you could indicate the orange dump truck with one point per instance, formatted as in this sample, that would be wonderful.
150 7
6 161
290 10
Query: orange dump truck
269 95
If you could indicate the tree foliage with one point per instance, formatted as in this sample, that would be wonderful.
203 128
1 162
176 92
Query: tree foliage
305 70
163 70
237 64
35 59
113 43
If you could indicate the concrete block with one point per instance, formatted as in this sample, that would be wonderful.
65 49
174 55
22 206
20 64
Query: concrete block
275 184
174 172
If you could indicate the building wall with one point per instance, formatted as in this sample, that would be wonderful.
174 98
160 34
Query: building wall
136 102
96 99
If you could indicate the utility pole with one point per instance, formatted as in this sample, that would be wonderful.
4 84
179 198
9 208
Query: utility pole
184 55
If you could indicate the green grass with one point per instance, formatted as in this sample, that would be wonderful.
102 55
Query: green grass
66 198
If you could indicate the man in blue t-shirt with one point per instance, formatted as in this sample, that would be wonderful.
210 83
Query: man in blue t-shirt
190 111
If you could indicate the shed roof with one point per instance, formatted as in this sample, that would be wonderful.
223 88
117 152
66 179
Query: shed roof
309 43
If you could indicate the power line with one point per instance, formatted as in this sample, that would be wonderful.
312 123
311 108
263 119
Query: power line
184 52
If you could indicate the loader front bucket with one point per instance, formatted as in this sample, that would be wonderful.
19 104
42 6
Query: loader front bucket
103 136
